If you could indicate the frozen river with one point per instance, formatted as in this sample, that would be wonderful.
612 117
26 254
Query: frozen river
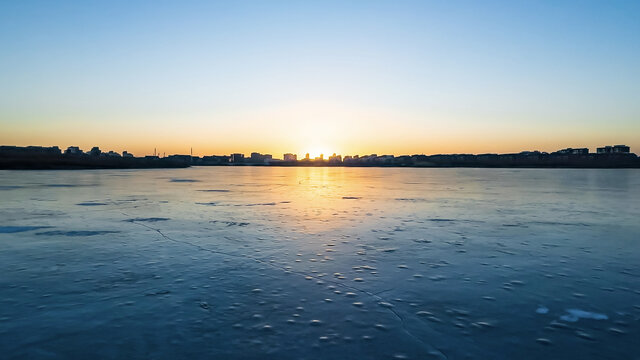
320 263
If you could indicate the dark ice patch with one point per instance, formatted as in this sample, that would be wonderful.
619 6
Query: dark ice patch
259 204
133 200
215 190
441 220
159 292
519 225
411 199
210 203
10 187
67 185
151 219
351 197
91 203
17 229
183 180
557 223
229 223
77 233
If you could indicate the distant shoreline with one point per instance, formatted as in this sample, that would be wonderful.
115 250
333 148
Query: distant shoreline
159 164
41 158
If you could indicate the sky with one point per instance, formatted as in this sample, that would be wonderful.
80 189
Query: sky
347 77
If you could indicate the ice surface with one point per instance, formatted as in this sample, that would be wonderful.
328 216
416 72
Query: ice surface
283 263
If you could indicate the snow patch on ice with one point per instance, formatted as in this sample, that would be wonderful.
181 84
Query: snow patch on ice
574 315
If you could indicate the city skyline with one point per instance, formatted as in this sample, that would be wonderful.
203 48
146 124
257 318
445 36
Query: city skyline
357 78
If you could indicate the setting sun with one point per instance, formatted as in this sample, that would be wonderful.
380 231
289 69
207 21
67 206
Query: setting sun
316 152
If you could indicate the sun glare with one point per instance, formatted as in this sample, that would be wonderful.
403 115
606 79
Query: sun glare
316 152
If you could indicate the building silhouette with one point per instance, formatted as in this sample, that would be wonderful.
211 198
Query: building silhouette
615 149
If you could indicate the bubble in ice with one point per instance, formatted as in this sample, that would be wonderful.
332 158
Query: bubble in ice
542 310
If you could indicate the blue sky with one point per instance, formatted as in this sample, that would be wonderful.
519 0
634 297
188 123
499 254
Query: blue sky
331 76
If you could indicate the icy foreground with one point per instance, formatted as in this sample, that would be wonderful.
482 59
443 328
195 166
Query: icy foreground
320 263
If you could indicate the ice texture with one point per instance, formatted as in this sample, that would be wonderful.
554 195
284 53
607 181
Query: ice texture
319 263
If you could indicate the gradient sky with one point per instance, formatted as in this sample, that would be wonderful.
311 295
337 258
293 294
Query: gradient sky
390 77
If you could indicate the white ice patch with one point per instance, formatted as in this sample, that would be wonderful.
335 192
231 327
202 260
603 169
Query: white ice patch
574 315
542 310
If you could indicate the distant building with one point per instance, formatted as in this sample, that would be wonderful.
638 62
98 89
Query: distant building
95 151
236 158
73 150
30 150
335 158
215 160
621 149
614 149
306 157
571 151
257 158
112 154
127 154
290 157
182 158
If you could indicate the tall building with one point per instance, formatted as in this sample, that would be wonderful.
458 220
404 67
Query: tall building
613 149
236 158
290 157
